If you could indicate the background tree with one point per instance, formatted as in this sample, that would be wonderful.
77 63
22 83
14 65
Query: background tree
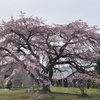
81 81
98 66
97 74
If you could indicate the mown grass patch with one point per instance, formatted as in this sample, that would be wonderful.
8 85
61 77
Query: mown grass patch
14 95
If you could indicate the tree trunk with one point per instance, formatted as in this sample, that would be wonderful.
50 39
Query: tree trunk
82 86
46 88
83 94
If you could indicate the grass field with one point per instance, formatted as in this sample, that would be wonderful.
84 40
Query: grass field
58 94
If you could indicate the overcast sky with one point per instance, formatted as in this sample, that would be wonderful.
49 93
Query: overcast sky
54 11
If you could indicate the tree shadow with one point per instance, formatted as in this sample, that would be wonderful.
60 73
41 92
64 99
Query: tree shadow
62 93
77 95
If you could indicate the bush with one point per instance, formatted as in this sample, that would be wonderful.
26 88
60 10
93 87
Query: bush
9 85
98 86
93 84
1 87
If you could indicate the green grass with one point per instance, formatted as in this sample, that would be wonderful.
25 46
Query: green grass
58 94
14 95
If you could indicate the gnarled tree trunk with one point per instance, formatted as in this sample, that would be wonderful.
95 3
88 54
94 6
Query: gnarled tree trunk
82 85
46 88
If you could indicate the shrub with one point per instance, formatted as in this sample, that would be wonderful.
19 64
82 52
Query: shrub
9 85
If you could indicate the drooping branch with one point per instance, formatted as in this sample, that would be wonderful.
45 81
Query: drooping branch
17 59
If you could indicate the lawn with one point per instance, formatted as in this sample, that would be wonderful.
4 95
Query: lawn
58 94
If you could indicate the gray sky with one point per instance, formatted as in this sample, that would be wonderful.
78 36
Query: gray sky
54 11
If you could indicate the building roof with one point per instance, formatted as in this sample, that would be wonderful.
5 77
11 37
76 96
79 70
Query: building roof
77 75
61 75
